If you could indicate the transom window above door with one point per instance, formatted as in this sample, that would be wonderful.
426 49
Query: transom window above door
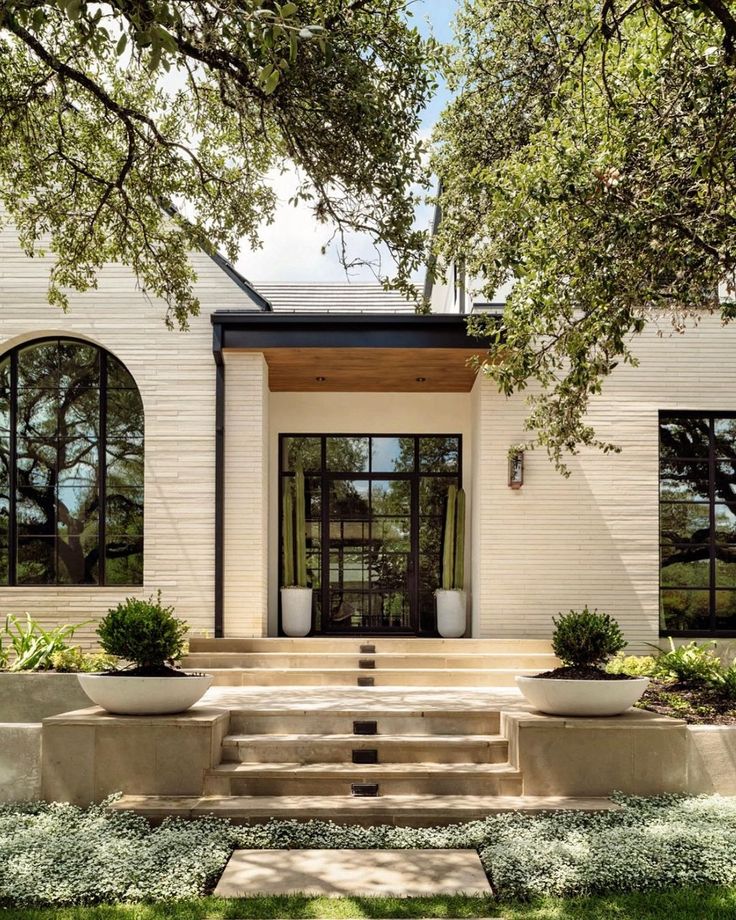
375 507
697 489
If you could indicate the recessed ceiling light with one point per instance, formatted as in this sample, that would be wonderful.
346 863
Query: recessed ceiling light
320 379
421 379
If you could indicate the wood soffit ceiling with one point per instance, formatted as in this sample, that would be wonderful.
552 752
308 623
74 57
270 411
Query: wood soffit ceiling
370 370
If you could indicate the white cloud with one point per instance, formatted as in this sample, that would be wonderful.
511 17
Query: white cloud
292 245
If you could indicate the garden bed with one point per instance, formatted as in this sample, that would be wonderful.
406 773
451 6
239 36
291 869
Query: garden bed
59 855
696 704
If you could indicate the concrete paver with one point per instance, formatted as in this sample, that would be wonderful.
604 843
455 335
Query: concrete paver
361 873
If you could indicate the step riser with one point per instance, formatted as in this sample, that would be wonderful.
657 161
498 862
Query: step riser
329 785
322 723
352 645
203 660
233 677
341 752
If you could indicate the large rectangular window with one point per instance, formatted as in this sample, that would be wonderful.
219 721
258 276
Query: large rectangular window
697 489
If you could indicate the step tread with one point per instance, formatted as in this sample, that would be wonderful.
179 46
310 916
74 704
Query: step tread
454 807
370 672
372 655
451 740
392 769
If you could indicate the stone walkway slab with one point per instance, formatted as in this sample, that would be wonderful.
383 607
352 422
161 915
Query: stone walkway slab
364 873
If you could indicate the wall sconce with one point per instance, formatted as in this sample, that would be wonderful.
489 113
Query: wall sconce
516 468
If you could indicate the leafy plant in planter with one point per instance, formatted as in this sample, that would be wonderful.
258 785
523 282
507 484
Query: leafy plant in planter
451 616
584 641
147 634
30 646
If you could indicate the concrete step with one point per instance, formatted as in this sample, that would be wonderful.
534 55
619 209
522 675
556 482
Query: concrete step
336 779
321 748
399 810
380 661
348 677
336 721
382 644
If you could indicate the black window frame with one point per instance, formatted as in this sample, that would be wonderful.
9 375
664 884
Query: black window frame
712 631
103 356
325 475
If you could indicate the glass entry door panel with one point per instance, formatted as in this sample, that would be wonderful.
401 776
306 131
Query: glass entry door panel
370 555
374 510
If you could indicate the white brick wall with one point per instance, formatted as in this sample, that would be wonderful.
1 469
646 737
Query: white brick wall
246 495
175 372
559 543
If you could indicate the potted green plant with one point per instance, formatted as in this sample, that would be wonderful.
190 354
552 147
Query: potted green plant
149 636
296 595
450 598
584 640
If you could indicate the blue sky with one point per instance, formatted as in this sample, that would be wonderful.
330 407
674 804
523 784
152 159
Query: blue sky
291 245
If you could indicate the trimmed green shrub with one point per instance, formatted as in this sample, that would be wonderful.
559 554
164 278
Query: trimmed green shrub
633 665
144 632
690 663
586 638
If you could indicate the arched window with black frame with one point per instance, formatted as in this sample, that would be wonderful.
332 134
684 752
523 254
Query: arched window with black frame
71 466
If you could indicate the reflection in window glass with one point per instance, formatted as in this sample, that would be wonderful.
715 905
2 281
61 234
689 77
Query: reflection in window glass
697 522
439 455
67 452
302 453
392 455
348 455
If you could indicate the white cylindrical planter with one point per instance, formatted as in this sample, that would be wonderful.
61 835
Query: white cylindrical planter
145 696
582 697
296 611
451 613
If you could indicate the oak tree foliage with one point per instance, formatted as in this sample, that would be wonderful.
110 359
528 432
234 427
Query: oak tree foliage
110 112
590 155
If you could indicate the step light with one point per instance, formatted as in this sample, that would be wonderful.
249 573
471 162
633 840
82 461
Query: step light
368 649
367 663
365 728
366 681
364 790
365 755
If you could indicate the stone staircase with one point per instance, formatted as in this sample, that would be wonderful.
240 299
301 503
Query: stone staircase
379 662
423 747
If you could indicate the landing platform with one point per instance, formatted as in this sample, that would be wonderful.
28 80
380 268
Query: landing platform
334 699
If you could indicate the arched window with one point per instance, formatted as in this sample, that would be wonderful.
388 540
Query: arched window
71 467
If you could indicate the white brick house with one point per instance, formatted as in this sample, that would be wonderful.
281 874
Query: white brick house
374 396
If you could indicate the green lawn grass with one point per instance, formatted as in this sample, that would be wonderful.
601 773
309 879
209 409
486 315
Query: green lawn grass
673 904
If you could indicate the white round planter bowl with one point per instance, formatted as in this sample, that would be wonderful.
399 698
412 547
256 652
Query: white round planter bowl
145 696
451 616
296 611
582 697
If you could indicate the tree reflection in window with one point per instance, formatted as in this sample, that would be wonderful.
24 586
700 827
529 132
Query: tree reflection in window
698 523
71 463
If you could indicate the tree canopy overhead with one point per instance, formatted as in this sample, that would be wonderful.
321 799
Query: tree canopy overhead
110 109
589 154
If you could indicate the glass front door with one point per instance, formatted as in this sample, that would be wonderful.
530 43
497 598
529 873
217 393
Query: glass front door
374 517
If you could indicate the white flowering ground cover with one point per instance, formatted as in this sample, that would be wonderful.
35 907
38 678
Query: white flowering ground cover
58 855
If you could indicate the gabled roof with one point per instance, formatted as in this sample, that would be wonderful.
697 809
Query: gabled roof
333 298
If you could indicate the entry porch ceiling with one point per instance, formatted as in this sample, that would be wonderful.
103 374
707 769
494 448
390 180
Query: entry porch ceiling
355 353
370 370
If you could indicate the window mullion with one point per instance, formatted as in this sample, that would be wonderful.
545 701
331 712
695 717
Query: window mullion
102 471
13 472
